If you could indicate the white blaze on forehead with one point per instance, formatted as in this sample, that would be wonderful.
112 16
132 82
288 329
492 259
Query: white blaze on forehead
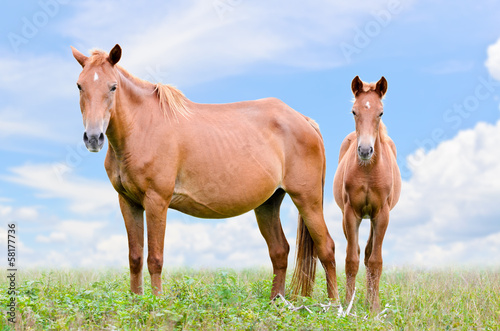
96 76
368 104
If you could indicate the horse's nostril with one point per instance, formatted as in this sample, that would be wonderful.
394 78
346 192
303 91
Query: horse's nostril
359 149
101 138
371 150
85 137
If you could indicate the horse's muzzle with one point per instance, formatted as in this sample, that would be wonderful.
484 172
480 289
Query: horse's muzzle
93 142
365 152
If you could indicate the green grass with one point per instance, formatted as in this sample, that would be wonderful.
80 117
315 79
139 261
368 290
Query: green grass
239 300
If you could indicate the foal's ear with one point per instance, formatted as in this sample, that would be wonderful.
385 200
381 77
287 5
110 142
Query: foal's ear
356 85
79 56
115 54
381 87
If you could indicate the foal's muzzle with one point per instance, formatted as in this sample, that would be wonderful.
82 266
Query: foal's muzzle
365 152
94 141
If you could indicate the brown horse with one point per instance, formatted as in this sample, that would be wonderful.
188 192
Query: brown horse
208 161
367 184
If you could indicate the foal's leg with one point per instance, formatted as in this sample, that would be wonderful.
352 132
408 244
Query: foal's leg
351 225
268 218
311 209
374 262
133 216
156 219
369 245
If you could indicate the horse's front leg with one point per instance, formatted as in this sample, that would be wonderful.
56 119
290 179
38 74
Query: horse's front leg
374 262
156 217
351 225
133 215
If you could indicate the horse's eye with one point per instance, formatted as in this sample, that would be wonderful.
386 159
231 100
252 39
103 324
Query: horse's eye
354 113
79 86
113 88
382 113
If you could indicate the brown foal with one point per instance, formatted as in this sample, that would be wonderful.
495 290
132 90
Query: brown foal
367 184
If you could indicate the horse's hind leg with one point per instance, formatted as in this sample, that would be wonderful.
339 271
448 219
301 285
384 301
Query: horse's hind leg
374 261
133 216
310 207
268 218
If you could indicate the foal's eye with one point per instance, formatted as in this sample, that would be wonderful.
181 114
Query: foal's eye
113 88
382 113
79 86
353 112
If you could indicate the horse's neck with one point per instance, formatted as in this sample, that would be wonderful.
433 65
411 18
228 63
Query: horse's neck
132 114
378 149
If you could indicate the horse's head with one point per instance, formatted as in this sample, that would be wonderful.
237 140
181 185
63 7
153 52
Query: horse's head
97 83
367 111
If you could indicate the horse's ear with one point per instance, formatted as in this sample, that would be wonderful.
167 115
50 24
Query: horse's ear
356 85
381 87
115 54
79 56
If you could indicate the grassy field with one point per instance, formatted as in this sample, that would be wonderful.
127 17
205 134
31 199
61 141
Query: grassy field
239 300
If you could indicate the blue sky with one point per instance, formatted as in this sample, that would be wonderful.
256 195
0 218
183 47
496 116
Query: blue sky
441 60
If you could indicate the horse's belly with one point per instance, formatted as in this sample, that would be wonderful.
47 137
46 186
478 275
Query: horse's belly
190 206
223 195
215 204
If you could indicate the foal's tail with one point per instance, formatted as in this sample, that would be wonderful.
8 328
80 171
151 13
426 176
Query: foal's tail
305 261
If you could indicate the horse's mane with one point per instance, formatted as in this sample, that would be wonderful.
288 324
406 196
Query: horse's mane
169 97
173 99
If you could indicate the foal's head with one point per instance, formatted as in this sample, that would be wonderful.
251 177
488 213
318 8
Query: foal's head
97 83
367 111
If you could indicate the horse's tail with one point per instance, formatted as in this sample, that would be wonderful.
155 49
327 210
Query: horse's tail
305 262
306 257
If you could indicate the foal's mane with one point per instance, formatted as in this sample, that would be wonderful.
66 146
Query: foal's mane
169 97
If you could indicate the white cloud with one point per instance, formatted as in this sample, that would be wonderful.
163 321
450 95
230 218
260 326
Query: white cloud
15 123
38 78
450 202
19 214
234 242
493 60
52 181
75 243
53 237
111 250
80 230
